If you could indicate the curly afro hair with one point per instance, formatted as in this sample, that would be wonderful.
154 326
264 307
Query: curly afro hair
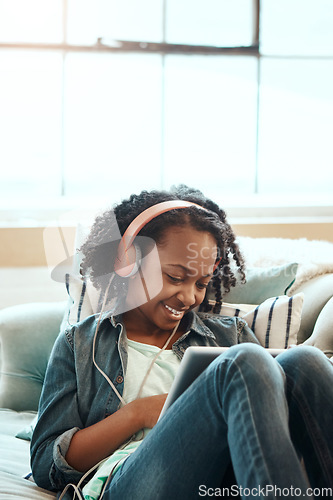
98 258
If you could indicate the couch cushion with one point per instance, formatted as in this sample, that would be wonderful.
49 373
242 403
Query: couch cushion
261 284
15 459
27 334
17 488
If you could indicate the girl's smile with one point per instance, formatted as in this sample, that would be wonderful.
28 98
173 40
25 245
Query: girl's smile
174 312
185 280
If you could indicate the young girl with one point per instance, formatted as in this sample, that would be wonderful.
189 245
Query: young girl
108 376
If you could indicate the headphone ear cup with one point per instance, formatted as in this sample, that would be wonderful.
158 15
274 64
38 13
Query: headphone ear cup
137 262
129 265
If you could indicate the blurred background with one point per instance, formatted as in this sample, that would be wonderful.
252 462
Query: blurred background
102 98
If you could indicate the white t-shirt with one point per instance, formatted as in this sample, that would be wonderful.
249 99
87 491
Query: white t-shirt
159 381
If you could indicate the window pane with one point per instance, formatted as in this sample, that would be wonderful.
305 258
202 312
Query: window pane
296 126
300 27
210 22
31 21
117 20
113 123
30 121
211 123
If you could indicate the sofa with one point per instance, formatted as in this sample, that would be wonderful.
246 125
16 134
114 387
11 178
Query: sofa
280 273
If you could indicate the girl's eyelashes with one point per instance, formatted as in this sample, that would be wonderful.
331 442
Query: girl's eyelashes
174 279
202 286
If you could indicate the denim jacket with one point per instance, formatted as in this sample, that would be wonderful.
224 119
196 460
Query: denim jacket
75 395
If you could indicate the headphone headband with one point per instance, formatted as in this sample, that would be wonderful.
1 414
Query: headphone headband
123 260
150 213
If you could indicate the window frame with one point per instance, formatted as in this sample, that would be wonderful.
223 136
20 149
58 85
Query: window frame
251 208
162 48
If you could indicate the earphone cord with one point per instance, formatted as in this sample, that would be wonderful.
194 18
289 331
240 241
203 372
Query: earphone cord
151 365
76 488
94 345
138 396
155 358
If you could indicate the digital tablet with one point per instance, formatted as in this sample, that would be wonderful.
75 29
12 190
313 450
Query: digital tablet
194 362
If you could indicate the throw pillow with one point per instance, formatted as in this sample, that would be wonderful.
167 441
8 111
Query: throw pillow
26 432
261 284
275 322
83 299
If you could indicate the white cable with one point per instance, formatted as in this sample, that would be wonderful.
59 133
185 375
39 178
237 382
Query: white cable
76 492
151 365
94 344
76 487
138 396
155 358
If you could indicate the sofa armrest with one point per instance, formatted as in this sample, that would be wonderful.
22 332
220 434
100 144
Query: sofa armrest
27 334
317 292
322 336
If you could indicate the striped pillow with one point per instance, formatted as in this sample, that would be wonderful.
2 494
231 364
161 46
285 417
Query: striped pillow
83 299
275 322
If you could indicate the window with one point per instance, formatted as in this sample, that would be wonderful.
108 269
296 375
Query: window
296 97
104 98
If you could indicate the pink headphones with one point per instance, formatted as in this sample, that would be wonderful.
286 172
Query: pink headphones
128 258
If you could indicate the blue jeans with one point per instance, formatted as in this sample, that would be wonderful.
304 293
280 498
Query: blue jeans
246 408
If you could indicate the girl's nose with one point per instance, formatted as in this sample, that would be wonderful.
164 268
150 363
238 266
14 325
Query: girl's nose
187 296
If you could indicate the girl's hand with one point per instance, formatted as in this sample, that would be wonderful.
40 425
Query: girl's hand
92 444
149 409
